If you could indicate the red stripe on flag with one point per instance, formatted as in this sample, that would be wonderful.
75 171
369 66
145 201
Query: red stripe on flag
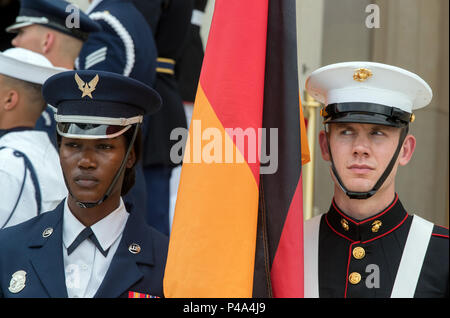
233 68
287 276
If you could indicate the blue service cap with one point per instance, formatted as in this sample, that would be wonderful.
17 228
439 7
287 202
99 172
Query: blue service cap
53 14
97 104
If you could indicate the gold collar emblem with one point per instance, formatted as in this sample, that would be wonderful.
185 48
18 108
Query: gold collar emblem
86 88
376 226
344 224
362 74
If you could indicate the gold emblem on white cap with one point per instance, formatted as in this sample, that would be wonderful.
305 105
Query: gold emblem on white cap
86 88
362 74
17 282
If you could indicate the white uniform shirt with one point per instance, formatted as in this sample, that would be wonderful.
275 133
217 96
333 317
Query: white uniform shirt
45 160
86 267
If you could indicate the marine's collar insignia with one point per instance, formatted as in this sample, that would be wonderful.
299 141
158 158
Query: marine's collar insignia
87 88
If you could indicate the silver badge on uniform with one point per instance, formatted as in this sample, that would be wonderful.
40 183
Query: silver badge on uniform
134 248
17 282
47 232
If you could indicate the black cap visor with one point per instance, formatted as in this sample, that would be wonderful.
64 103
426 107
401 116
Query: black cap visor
366 113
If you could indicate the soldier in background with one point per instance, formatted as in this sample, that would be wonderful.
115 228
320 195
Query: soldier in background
188 67
30 174
170 29
41 27
187 73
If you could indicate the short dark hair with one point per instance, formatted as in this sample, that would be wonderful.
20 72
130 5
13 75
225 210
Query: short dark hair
33 92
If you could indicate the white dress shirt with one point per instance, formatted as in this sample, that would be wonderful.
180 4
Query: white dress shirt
86 267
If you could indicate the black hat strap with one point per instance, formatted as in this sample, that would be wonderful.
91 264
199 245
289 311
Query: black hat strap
88 205
379 183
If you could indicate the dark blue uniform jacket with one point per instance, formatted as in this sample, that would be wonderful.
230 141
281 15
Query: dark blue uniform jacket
24 247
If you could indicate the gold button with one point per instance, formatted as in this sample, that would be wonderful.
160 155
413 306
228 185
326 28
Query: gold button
359 252
376 226
354 278
344 224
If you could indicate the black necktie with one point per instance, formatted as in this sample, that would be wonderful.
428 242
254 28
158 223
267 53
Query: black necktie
86 233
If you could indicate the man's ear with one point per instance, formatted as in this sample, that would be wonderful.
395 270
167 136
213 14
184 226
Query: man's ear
324 145
10 100
48 42
409 144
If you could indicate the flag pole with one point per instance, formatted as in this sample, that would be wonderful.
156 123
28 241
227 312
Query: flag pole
310 105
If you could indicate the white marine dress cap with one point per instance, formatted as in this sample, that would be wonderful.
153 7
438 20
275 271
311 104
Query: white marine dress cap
368 92
27 65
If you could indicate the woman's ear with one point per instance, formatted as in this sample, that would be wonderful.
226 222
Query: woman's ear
131 159
409 144
324 145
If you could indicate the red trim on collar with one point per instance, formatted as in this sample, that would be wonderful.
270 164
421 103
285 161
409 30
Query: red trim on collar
394 228
372 218
335 231
440 235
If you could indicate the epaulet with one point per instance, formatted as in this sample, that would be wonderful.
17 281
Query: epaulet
440 231
123 34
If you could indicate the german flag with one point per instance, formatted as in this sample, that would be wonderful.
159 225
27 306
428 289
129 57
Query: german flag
237 229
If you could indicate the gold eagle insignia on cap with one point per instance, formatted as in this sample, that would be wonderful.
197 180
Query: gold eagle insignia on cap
362 74
86 88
